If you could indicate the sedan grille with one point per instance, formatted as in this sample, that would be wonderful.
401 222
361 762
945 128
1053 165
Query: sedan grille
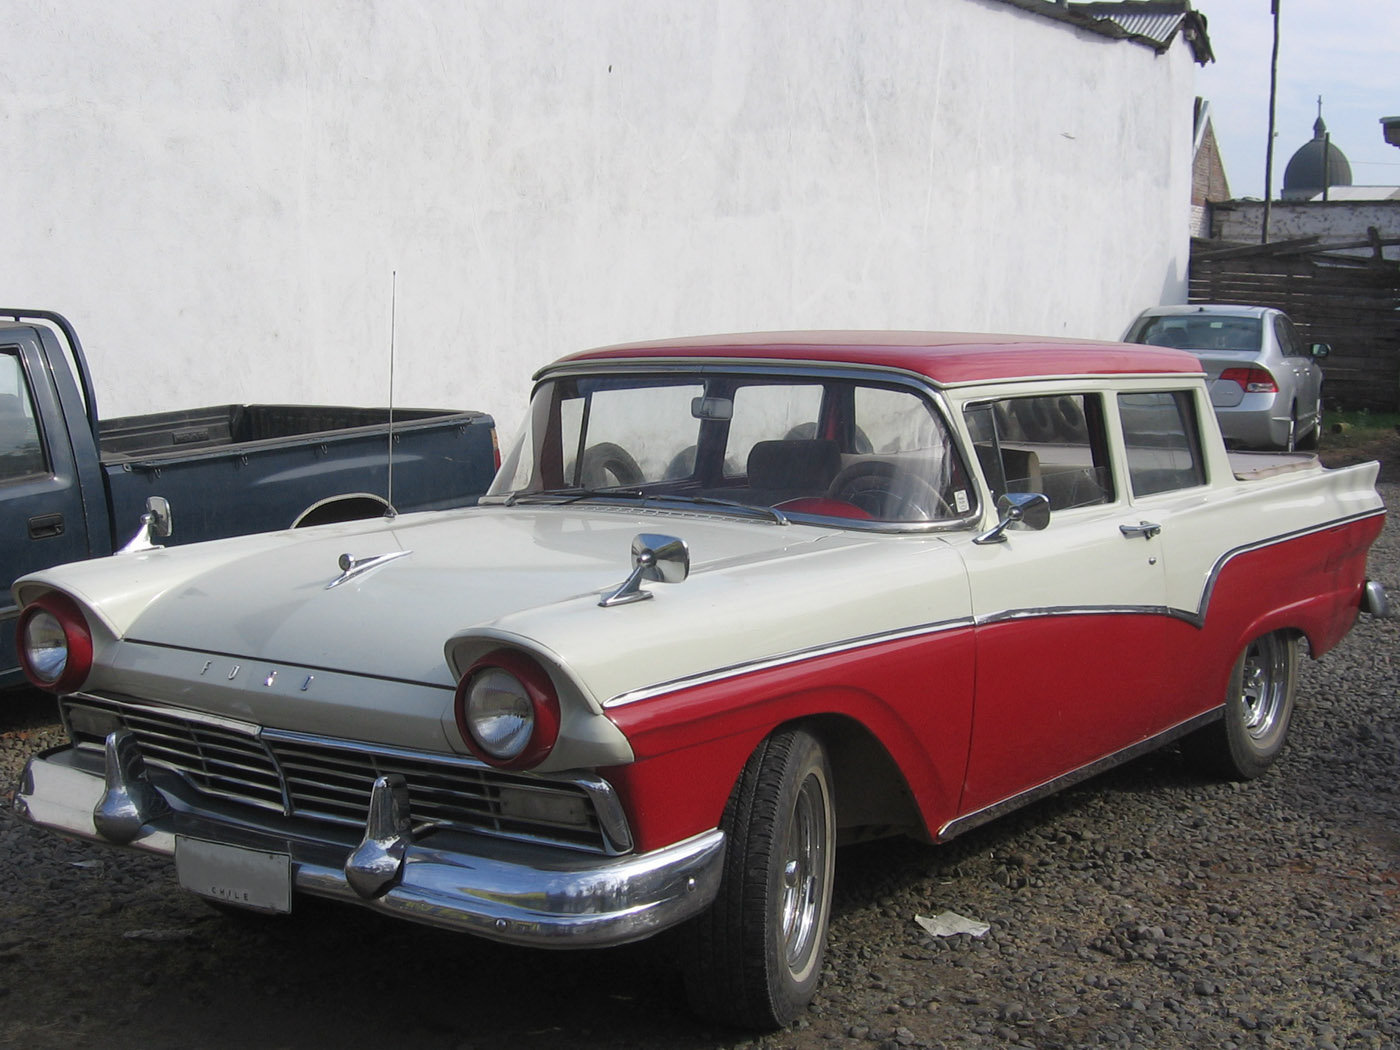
320 778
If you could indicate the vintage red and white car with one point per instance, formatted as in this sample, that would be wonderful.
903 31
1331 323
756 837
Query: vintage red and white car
730 602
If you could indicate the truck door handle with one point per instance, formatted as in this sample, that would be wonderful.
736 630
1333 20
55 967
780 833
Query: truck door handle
45 526
1145 529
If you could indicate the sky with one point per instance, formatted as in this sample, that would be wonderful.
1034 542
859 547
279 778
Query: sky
1347 51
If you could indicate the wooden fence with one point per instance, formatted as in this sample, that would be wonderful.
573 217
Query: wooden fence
1343 293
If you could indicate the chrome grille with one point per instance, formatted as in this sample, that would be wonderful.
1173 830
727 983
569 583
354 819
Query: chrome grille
320 779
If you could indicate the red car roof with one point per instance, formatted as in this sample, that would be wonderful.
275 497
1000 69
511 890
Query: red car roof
947 358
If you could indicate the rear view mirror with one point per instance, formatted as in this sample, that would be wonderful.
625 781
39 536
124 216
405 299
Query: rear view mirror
717 408
1321 349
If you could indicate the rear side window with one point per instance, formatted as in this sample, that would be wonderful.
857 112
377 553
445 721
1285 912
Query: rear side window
1162 439
21 454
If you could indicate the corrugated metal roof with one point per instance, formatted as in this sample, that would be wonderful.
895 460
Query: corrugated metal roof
1152 23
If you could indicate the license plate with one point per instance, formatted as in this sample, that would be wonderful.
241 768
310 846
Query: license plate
247 878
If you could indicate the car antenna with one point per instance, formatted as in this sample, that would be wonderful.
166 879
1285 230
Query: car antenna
389 511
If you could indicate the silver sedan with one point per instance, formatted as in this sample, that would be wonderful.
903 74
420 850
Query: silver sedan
1265 384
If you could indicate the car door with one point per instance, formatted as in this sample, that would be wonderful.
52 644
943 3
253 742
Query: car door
1069 619
41 513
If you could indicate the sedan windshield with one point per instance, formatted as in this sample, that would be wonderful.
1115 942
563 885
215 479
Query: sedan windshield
771 447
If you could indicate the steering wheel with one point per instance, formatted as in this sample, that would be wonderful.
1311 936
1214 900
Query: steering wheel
887 493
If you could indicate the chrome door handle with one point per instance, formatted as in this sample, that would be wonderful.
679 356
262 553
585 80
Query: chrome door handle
1145 529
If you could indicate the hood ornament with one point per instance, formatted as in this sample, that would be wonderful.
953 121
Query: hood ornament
350 566
658 558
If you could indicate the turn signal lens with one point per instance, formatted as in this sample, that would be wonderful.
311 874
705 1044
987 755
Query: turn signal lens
507 709
1251 380
54 642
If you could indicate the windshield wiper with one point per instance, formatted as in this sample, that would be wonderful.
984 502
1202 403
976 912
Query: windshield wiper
561 497
712 501
569 495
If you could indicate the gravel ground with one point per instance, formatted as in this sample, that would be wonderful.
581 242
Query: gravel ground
1149 907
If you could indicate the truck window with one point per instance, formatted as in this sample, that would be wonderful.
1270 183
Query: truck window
21 454
1162 439
1053 444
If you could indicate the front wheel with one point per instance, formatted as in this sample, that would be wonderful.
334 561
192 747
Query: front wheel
1258 709
756 954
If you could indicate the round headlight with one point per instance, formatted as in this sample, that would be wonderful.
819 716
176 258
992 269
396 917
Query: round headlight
45 647
507 709
499 712
54 642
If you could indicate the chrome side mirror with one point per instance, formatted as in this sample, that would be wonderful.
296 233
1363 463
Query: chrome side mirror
156 524
1320 349
1029 509
655 558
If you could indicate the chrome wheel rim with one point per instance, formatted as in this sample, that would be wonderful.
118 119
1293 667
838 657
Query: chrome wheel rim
804 876
1264 686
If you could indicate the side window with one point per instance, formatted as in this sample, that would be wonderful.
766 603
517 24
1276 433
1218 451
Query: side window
1053 444
1162 438
1288 339
21 454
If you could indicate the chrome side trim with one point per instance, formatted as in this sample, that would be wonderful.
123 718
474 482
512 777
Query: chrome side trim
782 659
968 821
1078 610
1198 617
517 893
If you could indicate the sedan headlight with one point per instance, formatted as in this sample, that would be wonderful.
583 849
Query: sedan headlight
55 643
507 709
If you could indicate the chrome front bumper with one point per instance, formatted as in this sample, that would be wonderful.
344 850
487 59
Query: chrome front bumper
519 893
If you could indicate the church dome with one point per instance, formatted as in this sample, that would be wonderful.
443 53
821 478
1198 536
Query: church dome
1317 165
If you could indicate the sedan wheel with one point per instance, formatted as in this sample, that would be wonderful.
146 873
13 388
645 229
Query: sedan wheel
756 955
1258 708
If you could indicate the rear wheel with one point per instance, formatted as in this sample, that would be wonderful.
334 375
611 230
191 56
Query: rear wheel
1258 709
756 954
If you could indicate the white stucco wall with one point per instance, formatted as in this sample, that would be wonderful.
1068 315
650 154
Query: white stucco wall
216 192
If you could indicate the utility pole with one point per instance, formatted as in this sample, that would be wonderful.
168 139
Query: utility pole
1269 153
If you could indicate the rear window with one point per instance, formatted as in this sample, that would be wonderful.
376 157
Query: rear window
1199 332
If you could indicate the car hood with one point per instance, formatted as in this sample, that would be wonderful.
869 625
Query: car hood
530 574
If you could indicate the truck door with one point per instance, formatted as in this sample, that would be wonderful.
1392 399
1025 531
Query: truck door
41 510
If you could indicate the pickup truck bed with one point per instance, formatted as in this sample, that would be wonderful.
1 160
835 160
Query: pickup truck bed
74 486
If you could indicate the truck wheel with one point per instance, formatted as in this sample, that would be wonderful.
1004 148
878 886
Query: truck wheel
1258 708
756 954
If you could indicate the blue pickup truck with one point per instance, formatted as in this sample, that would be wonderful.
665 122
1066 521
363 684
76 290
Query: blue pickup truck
73 486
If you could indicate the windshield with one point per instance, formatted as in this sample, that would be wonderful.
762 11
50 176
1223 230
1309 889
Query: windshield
1199 332
821 447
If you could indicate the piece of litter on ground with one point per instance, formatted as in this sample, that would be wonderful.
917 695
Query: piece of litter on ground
86 863
158 935
950 924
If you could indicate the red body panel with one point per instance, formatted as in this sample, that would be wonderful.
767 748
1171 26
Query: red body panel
914 695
